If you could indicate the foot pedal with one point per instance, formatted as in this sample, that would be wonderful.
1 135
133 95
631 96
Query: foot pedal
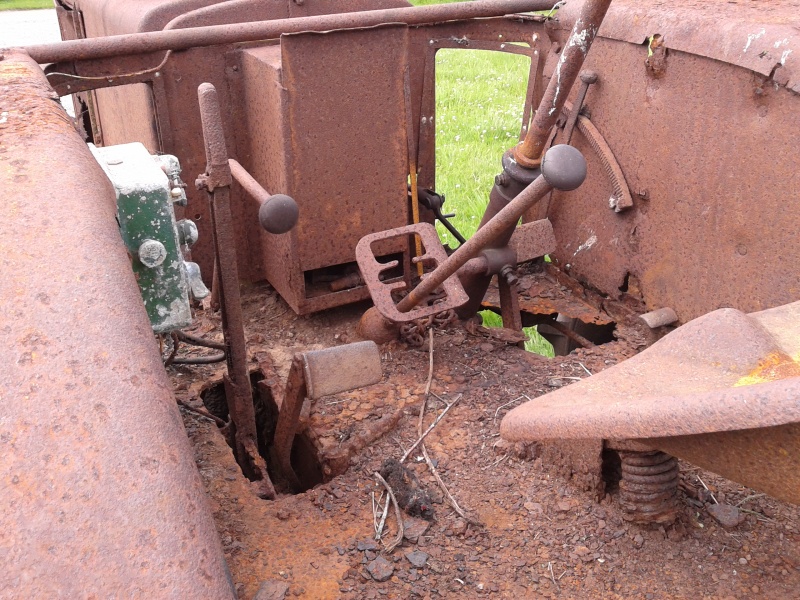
381 292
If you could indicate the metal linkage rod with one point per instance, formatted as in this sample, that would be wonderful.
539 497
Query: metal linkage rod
217 181
181 39
528 153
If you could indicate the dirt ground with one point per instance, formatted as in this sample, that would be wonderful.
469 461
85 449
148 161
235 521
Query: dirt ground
536 530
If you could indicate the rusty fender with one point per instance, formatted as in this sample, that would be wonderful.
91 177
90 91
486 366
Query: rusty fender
99 494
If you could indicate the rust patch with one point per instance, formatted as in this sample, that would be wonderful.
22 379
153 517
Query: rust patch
776 365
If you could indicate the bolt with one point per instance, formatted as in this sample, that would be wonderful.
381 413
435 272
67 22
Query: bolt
176 192
741 249
501 180
187 232
152 253
588 76
507 272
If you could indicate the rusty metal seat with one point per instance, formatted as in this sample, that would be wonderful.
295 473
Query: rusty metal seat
722 391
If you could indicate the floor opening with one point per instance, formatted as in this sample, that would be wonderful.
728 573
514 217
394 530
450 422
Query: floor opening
305 458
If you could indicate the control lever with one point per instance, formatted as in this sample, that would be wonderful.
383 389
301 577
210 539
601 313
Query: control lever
434 202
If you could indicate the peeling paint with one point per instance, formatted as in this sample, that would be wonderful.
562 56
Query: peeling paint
586 245
752 37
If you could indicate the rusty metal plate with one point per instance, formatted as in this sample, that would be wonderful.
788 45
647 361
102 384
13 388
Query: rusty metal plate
721 372
341 368
346 185
533 240
709 151
99 492
761 37
540 294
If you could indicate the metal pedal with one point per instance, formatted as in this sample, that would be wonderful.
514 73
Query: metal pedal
381 292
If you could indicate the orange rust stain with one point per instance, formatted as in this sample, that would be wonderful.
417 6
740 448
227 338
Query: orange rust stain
776 365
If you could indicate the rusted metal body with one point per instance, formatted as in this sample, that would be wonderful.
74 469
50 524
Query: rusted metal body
99 492
280 98
708 147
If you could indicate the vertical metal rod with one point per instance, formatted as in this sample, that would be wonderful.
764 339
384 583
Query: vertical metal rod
217 181
529 152
587 79
288 418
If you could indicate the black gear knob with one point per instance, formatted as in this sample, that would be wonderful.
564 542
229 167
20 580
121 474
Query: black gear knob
278 214
564 167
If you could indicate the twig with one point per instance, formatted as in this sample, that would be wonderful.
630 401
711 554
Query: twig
497 462
552 577
708 490
585 369
384 514
202 413
564 573
430 428
447 493
428 460
762 516
398 514
507 403
752 497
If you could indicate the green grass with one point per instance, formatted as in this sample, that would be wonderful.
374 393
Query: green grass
479 102
25 4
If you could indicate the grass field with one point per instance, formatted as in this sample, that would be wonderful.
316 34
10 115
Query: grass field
479 102
25 4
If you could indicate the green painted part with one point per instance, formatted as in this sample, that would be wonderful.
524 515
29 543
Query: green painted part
144 212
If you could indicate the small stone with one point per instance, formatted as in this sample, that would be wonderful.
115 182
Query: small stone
533 507
282 514
417 558
272 590
486 347
581 550
413 528
367 545
564 506
638 540
380 569
725 514
743 561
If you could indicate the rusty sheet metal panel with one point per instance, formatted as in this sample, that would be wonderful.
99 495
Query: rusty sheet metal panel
346 185
709 150
99 493
761 37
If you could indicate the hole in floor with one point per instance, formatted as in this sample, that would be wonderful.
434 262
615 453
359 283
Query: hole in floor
569 334
305 458
611 469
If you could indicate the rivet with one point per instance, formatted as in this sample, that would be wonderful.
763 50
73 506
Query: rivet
741 249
